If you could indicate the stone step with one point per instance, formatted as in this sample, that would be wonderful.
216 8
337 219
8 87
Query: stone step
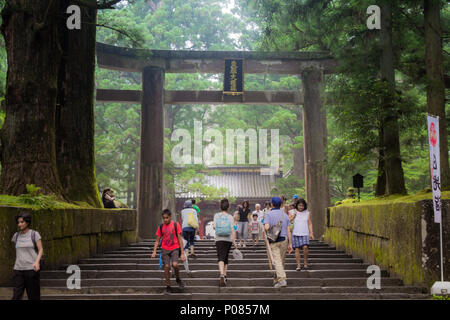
239 296
232 274
213 251
260 245
129 273
212 241
212 266
213 246
214 255
289 259
237 282
217 289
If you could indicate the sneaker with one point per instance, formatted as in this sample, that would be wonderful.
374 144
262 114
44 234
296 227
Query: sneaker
277 285
222 282
281 283
180 283
225 278
169 289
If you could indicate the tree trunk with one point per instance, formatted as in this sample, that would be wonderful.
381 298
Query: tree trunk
75 113
380 189
435 79
395 181
30 31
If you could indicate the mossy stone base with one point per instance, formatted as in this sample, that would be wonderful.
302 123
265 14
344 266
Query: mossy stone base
399 236
68 235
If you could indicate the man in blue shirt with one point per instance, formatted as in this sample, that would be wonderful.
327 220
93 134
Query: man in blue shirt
283 243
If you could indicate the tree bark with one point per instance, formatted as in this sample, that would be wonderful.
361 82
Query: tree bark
380 189
75 112
395 181
435 80
30 31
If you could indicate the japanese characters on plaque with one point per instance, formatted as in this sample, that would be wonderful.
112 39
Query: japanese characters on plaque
233 78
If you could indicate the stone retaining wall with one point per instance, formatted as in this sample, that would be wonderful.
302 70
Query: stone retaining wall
67 234
400 237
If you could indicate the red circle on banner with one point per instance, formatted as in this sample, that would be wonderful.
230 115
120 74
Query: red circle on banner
433 135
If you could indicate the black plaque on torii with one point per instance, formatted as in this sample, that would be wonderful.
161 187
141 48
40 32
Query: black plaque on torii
233 78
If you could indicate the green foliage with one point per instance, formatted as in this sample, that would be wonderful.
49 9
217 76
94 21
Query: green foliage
35 200
355 92
289 186
440 297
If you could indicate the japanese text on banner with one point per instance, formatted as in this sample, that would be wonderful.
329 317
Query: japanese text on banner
433 140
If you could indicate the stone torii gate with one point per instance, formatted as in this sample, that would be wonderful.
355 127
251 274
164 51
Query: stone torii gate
153 64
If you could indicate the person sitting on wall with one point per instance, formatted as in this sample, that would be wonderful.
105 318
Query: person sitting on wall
108 199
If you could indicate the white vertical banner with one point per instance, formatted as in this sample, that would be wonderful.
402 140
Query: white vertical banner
435 165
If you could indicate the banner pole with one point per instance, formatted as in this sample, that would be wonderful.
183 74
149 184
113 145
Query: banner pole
442 254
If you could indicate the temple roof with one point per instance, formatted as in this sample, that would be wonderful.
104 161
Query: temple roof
241 182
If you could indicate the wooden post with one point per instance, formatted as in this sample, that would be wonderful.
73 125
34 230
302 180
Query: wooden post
151 153
314 144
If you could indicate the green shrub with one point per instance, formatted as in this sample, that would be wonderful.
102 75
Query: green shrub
440 297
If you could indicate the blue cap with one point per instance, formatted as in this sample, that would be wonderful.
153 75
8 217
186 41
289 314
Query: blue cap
295 196
276 201
188 204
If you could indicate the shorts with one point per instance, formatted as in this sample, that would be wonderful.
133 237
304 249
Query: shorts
168 257
223 249
255 236
300 241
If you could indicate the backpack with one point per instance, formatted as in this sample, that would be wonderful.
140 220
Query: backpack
191 220
223 226
33 239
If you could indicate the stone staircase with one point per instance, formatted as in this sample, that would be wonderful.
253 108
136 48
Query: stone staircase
130 273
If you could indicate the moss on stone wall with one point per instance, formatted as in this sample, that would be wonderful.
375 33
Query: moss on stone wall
68 235
386 232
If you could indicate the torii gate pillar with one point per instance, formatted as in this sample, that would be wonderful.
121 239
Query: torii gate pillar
150 186
315 144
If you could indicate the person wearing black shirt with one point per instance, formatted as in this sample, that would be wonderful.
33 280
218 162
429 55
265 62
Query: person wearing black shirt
107 199
244 212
